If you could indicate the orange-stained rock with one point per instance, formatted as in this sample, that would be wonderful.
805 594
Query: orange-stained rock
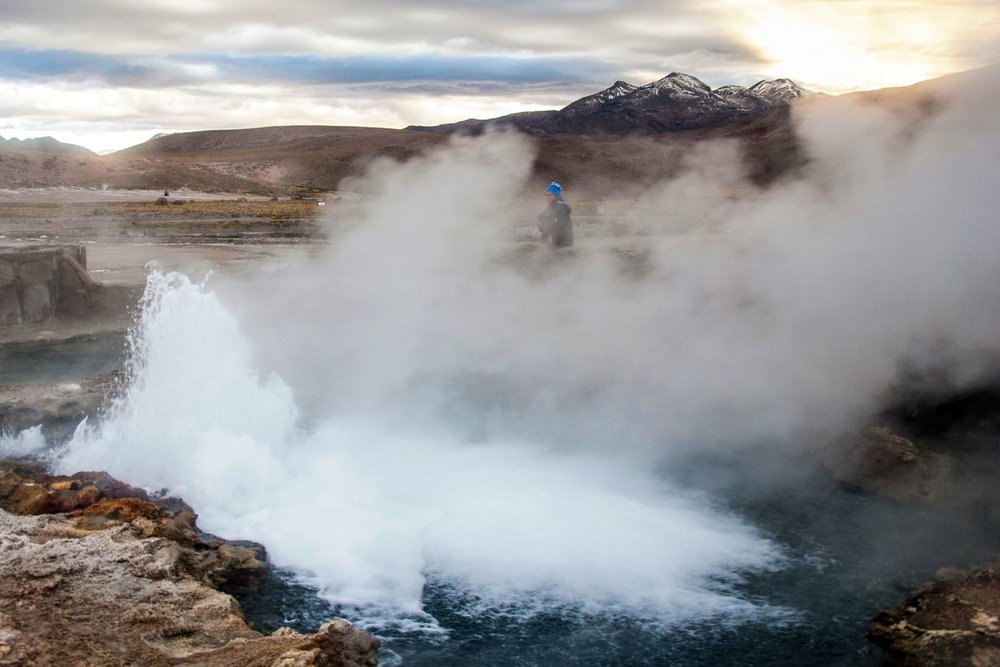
25 488
110 597
125 579
97 501
122 510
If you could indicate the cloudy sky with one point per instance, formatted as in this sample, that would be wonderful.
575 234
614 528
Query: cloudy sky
110 73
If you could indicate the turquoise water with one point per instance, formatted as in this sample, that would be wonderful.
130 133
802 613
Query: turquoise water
72 359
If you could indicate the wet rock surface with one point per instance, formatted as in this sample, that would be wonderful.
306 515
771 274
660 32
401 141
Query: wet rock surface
954 621
96 572
882 461
936 452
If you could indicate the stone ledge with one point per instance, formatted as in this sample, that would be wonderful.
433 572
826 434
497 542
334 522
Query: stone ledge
37 282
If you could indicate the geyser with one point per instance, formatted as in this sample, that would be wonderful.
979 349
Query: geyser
370 512
427 405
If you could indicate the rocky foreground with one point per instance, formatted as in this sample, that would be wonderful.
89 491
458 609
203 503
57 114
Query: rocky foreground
95 572
935 453
954 621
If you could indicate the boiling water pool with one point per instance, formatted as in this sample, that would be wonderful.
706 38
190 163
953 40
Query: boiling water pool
850 556
503 552
72 359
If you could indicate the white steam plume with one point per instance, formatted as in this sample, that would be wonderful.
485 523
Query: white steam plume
369 512
488 413
789 312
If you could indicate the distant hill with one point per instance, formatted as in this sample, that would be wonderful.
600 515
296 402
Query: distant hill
675 103
349 142
305 156
44 144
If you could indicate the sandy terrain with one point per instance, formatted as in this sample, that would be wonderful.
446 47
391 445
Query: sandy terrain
65 195
123 230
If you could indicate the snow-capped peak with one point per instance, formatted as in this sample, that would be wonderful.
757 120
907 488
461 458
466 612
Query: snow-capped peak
779 91
680 81
591 102
674 84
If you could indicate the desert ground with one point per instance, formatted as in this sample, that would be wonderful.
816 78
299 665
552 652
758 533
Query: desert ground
122 231
50 373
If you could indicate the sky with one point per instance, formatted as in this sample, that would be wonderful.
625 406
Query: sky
108 74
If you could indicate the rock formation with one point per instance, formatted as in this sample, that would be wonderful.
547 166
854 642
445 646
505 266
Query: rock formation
954 621
939 452
37 281
676 103
95 572
881 461
935 450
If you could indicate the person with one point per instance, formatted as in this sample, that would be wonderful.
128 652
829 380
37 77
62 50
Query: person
555 222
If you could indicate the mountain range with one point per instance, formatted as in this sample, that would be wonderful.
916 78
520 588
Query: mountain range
676 103
618 137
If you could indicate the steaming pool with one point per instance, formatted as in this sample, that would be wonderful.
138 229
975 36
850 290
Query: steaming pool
496 553
71 359
849 556
494 457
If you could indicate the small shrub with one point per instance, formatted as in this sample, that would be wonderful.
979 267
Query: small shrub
162 201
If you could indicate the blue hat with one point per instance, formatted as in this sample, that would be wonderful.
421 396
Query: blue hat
555 189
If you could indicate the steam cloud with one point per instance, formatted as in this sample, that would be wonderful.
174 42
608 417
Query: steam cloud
785 312
454 405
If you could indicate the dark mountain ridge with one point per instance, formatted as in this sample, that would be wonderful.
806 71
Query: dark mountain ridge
676 103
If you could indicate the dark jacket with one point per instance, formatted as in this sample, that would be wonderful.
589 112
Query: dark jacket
556 225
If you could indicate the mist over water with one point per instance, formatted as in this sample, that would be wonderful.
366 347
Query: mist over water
368 512
430 403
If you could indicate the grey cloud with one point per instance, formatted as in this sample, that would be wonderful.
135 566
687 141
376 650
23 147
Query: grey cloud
564 27
481 27
290 43
144 72
317 52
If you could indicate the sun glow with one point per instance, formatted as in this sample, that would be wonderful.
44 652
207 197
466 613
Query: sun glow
855 44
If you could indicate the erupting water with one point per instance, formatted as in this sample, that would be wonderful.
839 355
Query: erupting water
451 432
372 514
